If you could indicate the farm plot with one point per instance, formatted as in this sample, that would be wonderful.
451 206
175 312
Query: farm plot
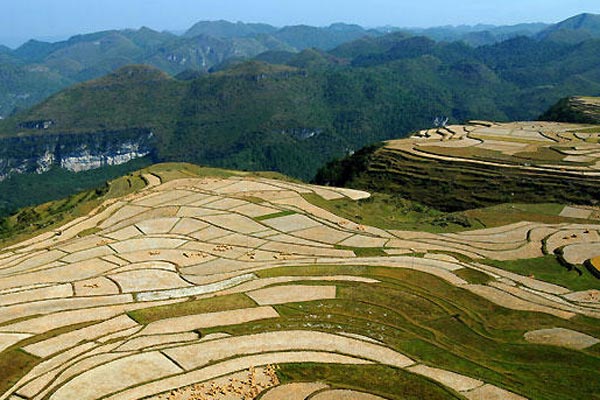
195 285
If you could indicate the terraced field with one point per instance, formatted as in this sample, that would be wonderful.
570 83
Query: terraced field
238 287
485 163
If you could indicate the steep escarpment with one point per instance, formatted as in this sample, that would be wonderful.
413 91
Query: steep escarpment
75 153
105 122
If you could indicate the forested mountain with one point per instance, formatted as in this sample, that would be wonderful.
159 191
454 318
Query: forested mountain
479 35
37 69
573 30
302 109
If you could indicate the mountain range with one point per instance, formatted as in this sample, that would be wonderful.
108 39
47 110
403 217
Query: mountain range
298 110
37 69
285 109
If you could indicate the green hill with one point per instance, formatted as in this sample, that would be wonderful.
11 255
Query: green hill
135 96
293 118
574 109
575 29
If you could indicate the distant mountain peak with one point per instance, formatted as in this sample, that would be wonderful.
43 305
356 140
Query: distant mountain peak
575 29
227 29
581 21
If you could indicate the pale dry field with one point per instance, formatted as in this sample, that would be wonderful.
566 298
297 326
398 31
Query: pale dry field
574 150
203 238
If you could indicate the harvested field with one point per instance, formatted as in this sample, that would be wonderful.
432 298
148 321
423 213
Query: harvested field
117 375
507 300
70 339
291 294
293 391
488 392
194 280
228 367
344 395
450 379
578 253
246 384
586 296
561 337
195 356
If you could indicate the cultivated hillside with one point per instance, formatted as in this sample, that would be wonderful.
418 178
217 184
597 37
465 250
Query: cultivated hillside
468 166
189 283
576 110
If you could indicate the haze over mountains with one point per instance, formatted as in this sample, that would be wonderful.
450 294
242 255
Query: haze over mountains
37 69
291 112
251 96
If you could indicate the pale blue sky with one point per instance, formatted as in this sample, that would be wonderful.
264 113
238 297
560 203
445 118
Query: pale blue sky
22 19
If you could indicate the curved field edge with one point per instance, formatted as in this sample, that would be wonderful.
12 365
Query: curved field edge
444 326
415 314
32 221
390 212
388 382
549 269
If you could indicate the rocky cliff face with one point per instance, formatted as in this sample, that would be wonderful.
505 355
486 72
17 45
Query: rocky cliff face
76 153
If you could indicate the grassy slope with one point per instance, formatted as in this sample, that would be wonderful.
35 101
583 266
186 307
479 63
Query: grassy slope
392 383
452 185
390 212
442 326
437 324
192 307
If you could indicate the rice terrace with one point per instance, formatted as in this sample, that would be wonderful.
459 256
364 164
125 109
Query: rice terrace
184 282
